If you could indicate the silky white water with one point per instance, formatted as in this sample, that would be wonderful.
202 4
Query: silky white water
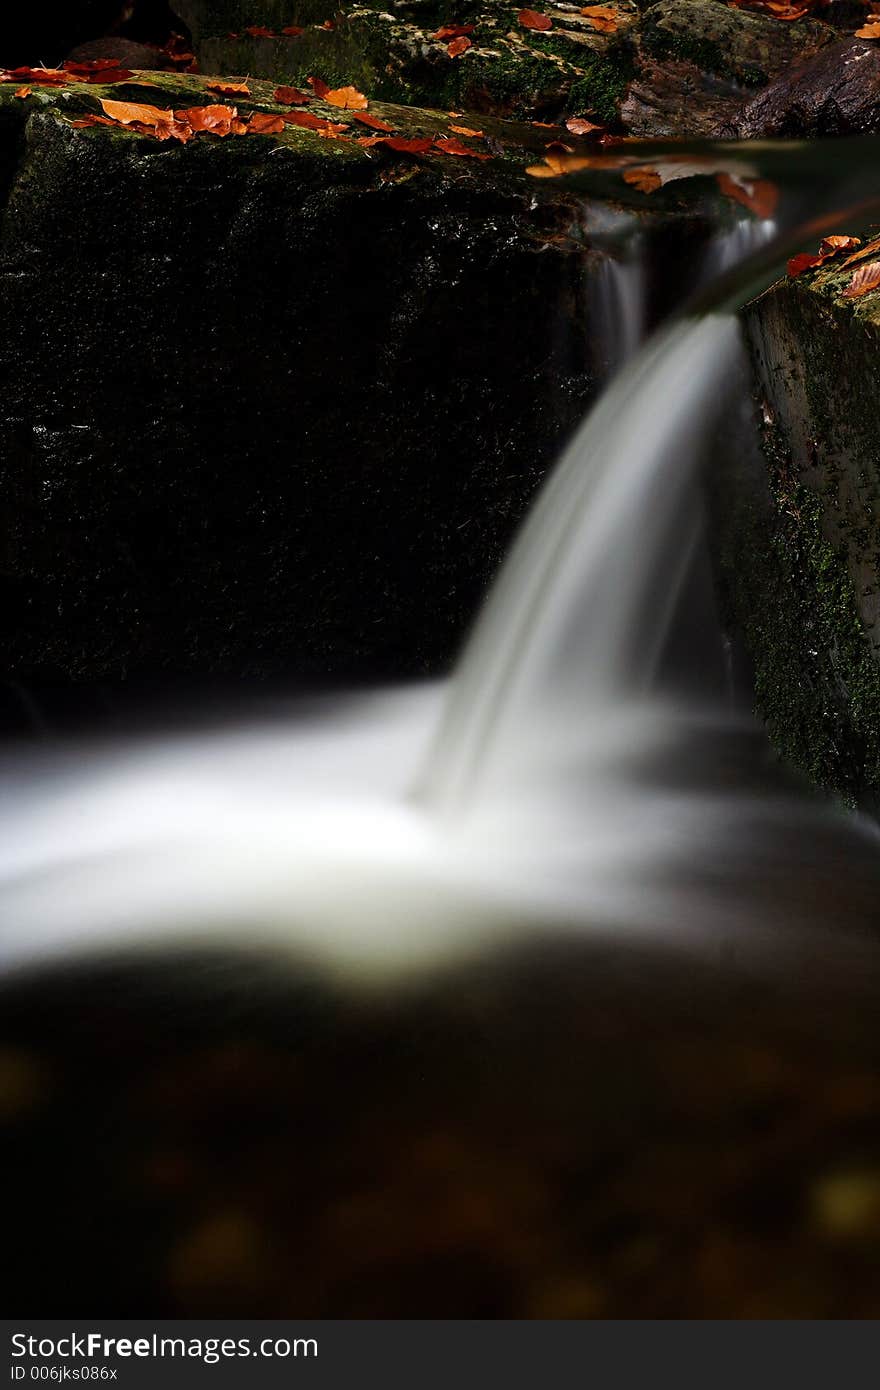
557 782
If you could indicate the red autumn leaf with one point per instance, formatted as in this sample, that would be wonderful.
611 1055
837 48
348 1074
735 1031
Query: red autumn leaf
259 31
869 31
215 120
466 130
310 122
458 46
868 250
229 89
24 92
398 143
373 122
292 31
578 125
645 179
864 280
602 18
447 146
830 247
531 19
760 196
804 260
291 96
453 31
348 98
44 77
318 86
265 123
92 65
86 121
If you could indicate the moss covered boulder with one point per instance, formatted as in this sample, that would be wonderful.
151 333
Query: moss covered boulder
802 549
271 403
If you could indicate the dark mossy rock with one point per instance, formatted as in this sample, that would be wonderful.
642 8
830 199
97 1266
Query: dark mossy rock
697 60
269 404
392 53
837 92
801 547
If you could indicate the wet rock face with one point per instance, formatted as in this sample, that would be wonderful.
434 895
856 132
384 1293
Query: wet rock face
800 536
836 93
269 410
697 60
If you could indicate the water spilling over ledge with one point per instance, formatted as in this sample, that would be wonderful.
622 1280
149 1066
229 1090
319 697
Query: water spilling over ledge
555 937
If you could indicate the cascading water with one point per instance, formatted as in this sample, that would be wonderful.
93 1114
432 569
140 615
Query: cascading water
618 292
554 781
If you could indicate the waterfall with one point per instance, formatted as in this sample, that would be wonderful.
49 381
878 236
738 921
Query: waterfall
618 294
556 781
731 245
582 608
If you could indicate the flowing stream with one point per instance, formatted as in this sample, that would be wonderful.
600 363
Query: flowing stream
561 780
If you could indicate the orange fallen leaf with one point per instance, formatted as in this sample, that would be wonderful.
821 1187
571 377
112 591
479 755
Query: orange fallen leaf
831 246
458 46
602 18
546 125
213 120
531 19
85 121
864 280
129 113
44 77
24 92
578 125
291 96
868 250
466 130
448 146
555 164
229 89
265 123
557 147
292 31
645 179
869 31
259 31
308 121
760 196
365 118
349 98
402 146
453 31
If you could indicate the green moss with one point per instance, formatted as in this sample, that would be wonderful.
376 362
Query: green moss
705 53
788 590
602 87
